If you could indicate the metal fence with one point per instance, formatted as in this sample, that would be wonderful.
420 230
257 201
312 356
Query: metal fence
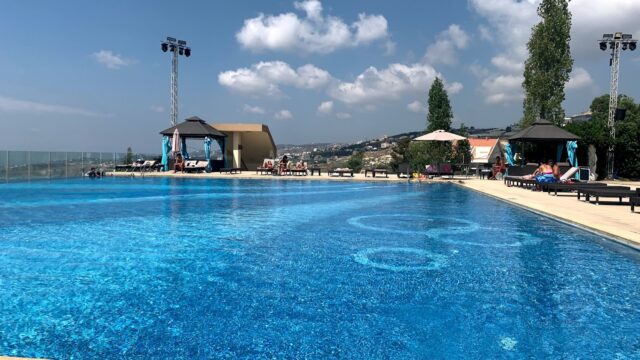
34 165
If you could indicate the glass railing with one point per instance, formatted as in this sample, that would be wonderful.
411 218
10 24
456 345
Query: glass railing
36 165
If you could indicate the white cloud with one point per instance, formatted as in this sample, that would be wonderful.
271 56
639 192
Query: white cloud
454 88
478 70
503 88
369 28
592 18
157 108
283 115
510 65
325 108
313 33
111 60
417 107
579 78
389 47
485 33
509 25
266 78
16 105
443 51
389 83
343 115
253 109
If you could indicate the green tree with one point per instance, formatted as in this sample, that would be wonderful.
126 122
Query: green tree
128 159
462 151
355 161
422 153
399 153
596 132
440 114
549 64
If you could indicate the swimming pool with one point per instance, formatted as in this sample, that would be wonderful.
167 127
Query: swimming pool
179 268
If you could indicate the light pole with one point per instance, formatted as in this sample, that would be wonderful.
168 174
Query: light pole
178 47
616 42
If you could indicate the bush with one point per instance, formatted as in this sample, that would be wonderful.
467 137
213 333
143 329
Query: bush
355 161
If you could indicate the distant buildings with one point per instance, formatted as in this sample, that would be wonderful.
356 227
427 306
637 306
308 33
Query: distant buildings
578 118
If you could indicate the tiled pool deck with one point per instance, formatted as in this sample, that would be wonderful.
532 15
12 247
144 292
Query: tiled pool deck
615 221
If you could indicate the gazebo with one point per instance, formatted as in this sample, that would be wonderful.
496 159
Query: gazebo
544 132
192 128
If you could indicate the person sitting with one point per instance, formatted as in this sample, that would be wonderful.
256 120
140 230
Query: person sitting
93 173
268 164
547 173
532 176
283 166
498 168
179 164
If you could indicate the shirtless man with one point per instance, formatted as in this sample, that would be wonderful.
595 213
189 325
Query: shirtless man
547 173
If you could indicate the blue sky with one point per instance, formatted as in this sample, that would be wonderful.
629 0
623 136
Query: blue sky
90 76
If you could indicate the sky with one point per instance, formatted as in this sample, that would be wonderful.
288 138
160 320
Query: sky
90 76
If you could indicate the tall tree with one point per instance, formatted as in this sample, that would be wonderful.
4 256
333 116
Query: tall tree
440 114
128 159
549 64
462 151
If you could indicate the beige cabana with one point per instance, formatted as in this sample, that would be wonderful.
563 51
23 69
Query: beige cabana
247 145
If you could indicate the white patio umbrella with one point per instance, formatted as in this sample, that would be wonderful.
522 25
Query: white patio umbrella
175 141
439 135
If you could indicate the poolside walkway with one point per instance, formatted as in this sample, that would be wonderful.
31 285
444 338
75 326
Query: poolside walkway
615 221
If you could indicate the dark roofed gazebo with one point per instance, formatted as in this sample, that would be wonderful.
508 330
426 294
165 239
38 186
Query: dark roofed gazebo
543 133
193 128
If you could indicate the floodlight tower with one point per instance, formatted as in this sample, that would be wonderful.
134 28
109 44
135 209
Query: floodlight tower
616 42
176 47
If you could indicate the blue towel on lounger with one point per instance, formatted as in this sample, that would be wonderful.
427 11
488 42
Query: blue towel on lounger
546 178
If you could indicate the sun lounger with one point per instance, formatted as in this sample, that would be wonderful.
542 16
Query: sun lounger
341 171
438 170
375 171
619 192
231 170
555 187
267 167
315 169
298 172
147 165
195 166
404 171
635 200
123 168
299 169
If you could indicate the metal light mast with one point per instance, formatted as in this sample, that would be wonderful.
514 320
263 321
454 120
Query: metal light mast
616 42
178 47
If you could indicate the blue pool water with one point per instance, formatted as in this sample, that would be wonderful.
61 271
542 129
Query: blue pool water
167 268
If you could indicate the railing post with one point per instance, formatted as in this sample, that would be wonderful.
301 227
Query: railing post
29 165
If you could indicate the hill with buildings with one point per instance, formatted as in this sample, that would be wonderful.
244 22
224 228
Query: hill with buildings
377 152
